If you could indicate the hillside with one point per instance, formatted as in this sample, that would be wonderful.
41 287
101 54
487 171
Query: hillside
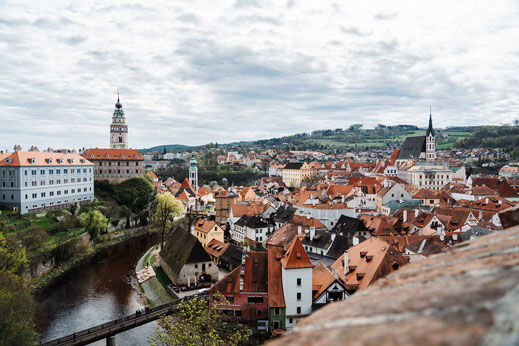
169 147
504 137
353 138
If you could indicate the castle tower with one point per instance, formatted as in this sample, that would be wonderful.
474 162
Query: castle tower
118 128
193 172
430 152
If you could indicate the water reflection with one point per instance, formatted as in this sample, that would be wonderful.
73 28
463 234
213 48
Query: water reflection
98 291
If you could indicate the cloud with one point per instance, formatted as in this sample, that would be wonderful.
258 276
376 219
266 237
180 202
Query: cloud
205 71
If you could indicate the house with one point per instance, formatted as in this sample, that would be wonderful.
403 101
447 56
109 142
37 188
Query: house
206 230
423 249
224 200
294 173
367 262
296 274
245 289
254 228
353 228
184 259
326 287
391 192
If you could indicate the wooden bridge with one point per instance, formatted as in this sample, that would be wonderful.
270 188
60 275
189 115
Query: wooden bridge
109 329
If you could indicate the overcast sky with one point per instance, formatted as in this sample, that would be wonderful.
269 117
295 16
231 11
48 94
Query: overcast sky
193 72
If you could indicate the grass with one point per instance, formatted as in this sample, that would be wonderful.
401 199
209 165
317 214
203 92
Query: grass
162 278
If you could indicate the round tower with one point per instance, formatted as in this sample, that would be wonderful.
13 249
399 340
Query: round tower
193 172
118 128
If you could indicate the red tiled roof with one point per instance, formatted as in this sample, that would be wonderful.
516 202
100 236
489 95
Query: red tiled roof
113 154
25 158
216 248
296 256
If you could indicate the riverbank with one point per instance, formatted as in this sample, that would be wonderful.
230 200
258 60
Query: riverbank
153 291
48 279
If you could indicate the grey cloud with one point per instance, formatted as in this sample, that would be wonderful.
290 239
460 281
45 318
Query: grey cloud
354 31
385 16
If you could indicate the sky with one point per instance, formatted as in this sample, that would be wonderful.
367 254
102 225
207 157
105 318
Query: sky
193 72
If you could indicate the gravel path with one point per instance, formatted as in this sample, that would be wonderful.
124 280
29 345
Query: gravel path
152 289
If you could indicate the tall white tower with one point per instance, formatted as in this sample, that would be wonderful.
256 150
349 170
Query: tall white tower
118 128
430 142
193 173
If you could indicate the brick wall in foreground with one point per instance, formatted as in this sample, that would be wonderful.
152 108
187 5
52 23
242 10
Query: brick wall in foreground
468 295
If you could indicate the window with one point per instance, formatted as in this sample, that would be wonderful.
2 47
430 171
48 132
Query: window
298 281
43 194
42 172
290 320
298 295
33 172
299 310
230 299
51 171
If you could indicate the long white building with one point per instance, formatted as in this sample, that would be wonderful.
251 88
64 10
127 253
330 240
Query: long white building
37 181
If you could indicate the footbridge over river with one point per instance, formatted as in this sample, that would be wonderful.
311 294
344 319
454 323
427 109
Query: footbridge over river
109 329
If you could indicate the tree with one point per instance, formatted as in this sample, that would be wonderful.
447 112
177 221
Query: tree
94 222
167 208
16 303
198 323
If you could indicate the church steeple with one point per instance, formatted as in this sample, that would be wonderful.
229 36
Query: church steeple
430 130
430 152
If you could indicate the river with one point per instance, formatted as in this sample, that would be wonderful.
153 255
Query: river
97 291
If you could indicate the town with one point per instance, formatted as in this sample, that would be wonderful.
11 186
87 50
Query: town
282 234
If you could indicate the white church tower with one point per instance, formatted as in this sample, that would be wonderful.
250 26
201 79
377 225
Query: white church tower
193 173
430 152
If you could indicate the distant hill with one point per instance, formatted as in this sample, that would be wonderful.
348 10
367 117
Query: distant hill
504 137
353 138
169 147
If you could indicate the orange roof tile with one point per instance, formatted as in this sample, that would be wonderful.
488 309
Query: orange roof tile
113 154
32 158
296 256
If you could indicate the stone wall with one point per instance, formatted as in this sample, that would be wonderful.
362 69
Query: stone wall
468 295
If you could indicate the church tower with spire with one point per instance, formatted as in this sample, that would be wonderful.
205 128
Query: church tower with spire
118 128
430 151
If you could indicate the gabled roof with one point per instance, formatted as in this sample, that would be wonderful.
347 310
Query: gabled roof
412 148
182 247
426 247
296 257
293 165
275 298
254 276
348 226
205 225
216 248
307 221
368 262
322 278
283 236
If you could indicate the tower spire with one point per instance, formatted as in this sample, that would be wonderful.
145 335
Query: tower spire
430 129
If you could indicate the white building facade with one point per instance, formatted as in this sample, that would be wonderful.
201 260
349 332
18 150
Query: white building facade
38 181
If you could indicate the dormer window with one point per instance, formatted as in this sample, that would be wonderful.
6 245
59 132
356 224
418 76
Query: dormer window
49 160
71 160
83 160
8 161
60 160
122 156
106 155
91 156
32 160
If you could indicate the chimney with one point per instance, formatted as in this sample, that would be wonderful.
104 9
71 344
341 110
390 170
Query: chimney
486 200
333 235
442 235
405 215
242 271
299 230
193 229
454 237
312 233
355 240
416 211
346 263
480 215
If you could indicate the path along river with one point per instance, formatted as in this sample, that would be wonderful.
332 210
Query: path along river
99 290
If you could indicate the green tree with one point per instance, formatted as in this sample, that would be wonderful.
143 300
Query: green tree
167 208
16 303
94 222
198 323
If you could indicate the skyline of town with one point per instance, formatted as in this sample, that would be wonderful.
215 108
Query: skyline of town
246 70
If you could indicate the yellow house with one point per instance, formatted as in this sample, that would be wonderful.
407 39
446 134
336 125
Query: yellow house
206 231
294 173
